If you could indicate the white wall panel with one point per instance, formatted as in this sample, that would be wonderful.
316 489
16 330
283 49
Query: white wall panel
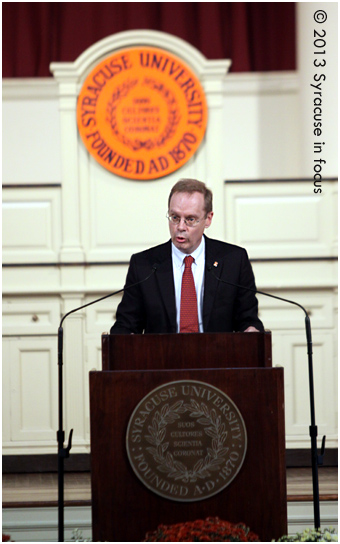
74 370
125 216
6 392
93 362
33 378
105 279
278 219
296 274
121 217
32 280
279 315
100 317
261 123
33 316
31 151
31 225
290 351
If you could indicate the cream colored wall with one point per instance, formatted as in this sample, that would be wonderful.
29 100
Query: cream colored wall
61 210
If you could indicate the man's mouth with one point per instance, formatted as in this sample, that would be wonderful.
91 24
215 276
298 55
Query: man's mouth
181 239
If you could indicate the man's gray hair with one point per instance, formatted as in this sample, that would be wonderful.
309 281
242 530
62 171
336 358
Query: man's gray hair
193 186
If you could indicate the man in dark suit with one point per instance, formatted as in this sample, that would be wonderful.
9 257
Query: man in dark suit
154 306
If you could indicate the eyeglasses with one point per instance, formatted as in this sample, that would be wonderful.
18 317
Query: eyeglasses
189 221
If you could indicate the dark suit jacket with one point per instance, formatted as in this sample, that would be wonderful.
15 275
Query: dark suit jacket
150 307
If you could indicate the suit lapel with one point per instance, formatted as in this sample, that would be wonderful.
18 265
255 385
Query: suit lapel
210 282
165 281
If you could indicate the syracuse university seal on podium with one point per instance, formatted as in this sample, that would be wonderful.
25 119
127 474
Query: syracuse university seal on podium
186 440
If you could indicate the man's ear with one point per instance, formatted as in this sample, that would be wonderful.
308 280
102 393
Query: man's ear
208 219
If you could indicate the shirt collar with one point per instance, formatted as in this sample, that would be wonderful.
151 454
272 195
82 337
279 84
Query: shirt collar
178 256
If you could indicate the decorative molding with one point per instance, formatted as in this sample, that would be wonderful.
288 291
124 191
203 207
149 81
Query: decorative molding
278 180
210 69
29 89
260 83
39 185
125 263
238 84
58 264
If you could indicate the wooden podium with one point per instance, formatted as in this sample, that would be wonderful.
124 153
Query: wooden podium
239 364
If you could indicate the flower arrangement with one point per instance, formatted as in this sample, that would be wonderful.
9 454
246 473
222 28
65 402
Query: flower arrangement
312 535
208 530
77 536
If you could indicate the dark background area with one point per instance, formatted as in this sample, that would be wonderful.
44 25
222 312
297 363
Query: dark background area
256 36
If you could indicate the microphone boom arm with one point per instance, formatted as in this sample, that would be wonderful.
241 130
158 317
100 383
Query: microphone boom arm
317 460
63 452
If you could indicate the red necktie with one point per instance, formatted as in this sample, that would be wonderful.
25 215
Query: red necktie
189 316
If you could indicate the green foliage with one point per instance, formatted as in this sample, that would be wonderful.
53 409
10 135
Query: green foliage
77 536
312 535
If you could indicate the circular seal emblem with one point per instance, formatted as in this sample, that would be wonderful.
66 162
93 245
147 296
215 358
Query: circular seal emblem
186 440
142 113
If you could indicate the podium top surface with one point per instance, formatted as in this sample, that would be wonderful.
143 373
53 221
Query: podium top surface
185 351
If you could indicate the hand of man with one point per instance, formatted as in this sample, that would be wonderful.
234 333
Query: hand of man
251 329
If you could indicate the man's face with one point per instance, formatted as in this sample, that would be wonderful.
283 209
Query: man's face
186 205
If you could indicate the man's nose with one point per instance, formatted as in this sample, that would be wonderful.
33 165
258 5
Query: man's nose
182 224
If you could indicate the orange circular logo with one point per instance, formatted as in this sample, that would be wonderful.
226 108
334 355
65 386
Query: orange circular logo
142 113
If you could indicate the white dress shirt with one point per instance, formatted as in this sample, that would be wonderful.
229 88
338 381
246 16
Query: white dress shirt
198 274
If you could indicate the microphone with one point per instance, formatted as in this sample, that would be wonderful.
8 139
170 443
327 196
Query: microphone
65 452
317 460
309 339
154 268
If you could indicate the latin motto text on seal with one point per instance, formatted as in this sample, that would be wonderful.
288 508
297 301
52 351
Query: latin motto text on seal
186 440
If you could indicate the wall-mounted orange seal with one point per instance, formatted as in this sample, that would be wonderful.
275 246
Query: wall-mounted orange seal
142 113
